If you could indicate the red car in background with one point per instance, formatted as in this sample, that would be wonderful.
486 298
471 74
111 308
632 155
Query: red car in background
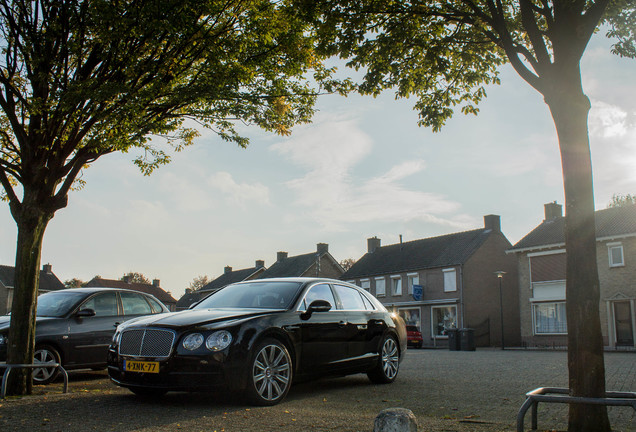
413 336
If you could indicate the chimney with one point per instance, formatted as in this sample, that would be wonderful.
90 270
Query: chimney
373 244
281 256
260 263
322 248
127 279
553 210
492 222
48 268
227 270
156 283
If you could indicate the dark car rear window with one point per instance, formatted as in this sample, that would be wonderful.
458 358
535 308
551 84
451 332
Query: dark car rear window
412 328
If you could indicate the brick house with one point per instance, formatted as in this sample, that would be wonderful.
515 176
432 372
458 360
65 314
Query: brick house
446 282
153 289
48 282
229 276
542 275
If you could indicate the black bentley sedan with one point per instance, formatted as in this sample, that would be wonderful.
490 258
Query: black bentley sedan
75 326
256 337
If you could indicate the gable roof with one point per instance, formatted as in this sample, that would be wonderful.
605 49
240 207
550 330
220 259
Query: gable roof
189 298
48 280
294 266
443 251
610 223
230 277
156 291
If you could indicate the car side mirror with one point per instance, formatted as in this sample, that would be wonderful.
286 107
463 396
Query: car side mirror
316 306
85 313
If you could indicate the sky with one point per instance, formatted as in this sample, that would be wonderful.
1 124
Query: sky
362 168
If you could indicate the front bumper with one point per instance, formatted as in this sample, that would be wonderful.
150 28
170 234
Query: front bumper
180 373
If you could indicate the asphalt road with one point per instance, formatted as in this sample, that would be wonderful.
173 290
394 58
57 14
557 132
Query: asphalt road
446 390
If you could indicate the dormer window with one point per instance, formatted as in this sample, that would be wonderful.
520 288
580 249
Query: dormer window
616 257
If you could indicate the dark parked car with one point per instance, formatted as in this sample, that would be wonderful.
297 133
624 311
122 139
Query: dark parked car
256 337
413 336
75 326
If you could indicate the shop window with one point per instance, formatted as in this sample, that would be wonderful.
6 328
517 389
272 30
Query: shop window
442 319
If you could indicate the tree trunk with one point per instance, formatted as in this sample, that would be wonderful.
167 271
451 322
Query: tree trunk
570 107
31 221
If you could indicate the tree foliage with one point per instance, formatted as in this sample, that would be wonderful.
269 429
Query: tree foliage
620 200
135 277
347 263
74 283
199 282
444 54
80 79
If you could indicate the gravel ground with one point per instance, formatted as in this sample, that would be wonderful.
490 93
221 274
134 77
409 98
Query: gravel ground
447 391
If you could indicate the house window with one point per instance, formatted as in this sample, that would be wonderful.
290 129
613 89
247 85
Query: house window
380 287
413 279
450 280
616 258
365 284
443 318
549 318
396 285
411 316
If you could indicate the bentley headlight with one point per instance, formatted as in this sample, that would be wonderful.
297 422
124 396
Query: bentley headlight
219 340
192 341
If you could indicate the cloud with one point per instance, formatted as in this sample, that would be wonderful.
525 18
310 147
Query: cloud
241 194
337 191
607 121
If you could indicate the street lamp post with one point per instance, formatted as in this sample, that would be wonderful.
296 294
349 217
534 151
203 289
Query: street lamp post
500 274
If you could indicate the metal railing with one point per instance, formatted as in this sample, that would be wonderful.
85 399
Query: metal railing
562 395
9 367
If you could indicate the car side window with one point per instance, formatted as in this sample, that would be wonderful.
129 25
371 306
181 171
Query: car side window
104 304
156 307
367 303
350 298
134 304
318 292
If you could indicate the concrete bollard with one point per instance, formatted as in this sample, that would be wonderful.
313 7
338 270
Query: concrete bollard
395 420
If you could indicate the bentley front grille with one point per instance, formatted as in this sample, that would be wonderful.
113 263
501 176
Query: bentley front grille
146 343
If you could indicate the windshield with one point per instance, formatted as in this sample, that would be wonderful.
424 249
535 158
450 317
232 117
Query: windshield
57 304
267 295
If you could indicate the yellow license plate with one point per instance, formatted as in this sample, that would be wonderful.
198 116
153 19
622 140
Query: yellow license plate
141 366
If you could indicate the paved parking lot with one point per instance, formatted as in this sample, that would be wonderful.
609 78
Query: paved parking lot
447 391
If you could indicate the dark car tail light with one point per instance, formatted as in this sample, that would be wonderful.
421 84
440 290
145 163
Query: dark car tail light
146 343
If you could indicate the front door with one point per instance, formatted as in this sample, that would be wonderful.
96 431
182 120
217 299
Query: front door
324 334
623 322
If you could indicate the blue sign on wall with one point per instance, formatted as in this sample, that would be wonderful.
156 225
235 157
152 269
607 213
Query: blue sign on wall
417 292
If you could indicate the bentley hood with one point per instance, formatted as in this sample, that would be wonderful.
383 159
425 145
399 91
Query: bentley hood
195 317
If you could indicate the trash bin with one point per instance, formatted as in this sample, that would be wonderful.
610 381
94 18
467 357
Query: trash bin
454 343
467 337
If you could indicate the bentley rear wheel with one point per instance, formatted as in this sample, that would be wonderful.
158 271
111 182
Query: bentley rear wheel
388 364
